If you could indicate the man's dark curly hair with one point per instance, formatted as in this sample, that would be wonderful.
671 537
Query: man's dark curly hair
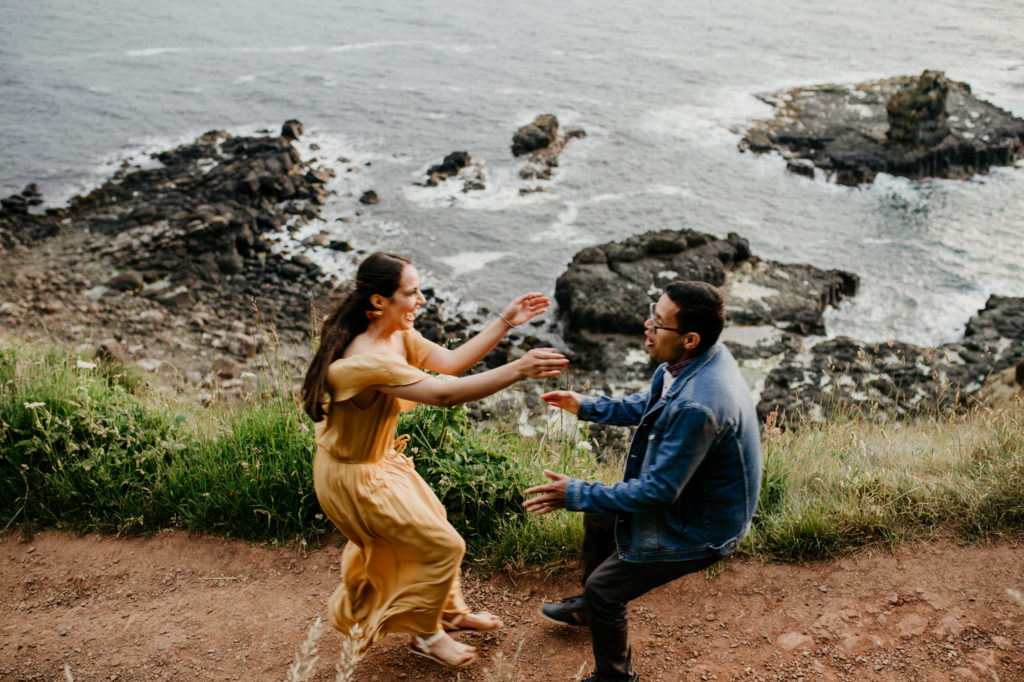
701 310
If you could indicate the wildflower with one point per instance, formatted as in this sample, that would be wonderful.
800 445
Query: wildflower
82 364
33 406
585 446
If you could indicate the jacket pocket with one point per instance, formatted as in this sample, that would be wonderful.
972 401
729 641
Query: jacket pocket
646 535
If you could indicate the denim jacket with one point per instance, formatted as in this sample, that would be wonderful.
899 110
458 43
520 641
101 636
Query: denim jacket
693 471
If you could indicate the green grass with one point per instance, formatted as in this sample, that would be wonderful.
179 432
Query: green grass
835 486
95 448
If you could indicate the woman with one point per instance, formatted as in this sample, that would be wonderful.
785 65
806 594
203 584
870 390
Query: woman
400 568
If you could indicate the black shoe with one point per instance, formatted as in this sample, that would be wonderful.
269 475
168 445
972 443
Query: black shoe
635 677
569 611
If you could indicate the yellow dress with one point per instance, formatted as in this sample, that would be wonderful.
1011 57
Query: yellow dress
400 568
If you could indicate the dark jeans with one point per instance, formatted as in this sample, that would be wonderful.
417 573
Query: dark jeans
608 584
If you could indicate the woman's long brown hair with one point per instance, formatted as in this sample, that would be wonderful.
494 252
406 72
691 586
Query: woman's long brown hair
380 274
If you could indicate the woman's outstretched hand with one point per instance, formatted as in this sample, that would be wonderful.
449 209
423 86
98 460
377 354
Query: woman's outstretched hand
526 307
543 363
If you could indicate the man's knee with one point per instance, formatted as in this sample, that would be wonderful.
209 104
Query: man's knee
600 590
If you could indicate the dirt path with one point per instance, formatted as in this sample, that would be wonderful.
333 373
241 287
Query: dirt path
181 607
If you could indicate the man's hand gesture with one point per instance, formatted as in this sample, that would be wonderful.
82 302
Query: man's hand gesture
553 496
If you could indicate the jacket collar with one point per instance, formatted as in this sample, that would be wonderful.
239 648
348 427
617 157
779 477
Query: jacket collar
688 371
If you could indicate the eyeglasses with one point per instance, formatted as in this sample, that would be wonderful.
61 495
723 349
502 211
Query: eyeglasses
656 326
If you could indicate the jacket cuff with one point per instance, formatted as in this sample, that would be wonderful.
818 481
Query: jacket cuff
586 408
573 493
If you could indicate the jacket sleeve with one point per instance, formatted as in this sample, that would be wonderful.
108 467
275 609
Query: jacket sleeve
672 457
626 411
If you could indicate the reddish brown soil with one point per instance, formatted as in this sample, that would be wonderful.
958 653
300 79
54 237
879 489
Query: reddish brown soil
181 607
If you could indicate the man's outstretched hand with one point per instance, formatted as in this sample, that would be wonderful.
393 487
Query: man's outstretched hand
569 401
551 495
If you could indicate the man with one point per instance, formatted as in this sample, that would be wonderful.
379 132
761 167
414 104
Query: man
692 474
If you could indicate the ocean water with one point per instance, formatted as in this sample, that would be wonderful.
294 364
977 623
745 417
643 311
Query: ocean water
388 88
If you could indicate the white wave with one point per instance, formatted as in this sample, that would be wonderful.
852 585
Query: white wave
154 51
100 89
468 261
348 47
713 122
886 311
654 190
248 78
563 228
267 49
501 191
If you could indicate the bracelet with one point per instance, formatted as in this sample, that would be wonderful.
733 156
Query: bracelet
510 325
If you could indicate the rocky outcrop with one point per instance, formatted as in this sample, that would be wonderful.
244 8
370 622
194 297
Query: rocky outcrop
607 288
774 314
917 111
18 226
604 294
894 378
193 227
914 126
536 135
171 268
452 166
543 141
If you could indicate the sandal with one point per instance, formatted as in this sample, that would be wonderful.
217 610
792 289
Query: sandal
486 621
424 646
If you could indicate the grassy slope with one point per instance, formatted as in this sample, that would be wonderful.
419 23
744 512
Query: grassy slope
95 448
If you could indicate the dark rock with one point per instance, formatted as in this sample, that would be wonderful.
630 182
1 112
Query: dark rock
226 368
291 130
369 197
16 203
318 175
790 296
109 350
801 167
291 270
340 245
230 263
177 300
126 281
543 142
536 135
607 288
451 165
914 126
917 111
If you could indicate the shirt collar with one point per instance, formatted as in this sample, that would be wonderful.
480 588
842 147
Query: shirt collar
676 369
